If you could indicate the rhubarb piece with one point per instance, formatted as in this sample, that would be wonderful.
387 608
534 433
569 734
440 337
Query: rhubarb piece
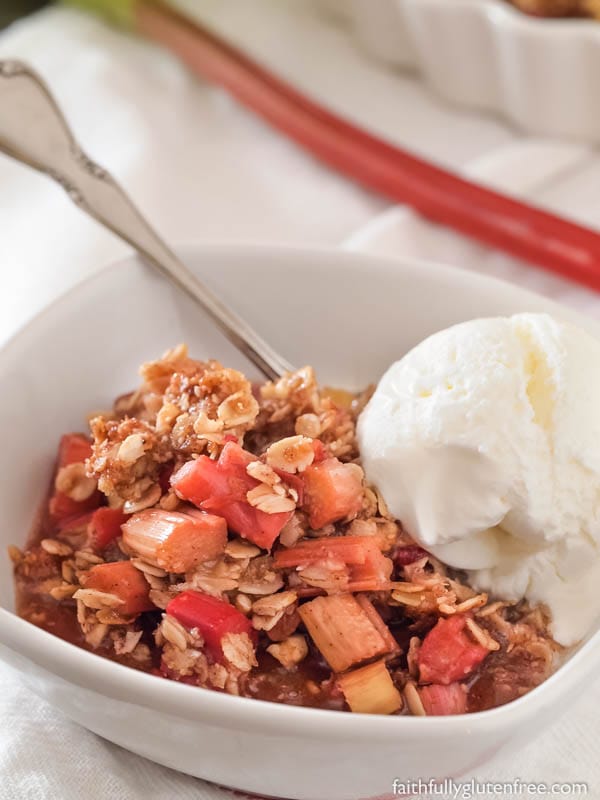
74 448
332 491
448 653
370 690
320 451
212 617
373 615
104 527
351 550
70 526
372 576
221 487
122 579
368 569
443 700
444 197
342 631
63 508
173 540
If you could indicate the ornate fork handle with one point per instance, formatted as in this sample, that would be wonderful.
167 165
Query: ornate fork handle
34 131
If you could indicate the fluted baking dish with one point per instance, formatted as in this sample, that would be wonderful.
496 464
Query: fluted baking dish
540 74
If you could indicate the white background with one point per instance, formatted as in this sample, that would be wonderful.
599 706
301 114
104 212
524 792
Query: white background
203 169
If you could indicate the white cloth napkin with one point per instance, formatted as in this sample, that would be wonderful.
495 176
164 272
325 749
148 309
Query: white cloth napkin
202 168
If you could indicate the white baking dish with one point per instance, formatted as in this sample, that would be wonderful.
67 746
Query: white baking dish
540 74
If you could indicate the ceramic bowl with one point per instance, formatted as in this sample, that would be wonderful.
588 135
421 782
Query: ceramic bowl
349 315
526 66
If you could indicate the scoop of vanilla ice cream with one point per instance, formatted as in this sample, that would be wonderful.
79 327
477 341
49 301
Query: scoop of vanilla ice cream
484 441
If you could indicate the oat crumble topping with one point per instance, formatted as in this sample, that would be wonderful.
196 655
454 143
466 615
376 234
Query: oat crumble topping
223 535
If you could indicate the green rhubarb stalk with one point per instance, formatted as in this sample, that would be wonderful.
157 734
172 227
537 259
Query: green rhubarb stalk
118 12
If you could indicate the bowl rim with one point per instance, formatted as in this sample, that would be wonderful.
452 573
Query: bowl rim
113 680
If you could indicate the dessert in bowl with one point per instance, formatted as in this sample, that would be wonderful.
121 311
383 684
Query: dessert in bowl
209 733
559 8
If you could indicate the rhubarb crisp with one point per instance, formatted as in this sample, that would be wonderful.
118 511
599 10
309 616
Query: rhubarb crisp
221 534
559 8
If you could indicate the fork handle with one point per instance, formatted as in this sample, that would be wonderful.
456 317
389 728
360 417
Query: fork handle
34 131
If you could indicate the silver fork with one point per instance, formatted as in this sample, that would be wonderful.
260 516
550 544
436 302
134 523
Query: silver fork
34 131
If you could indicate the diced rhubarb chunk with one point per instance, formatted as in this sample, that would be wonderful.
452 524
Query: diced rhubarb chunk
74 525
342 631
122 579
63 508
332 491
372 576
104 527
233 458
73 448
368 568
212 617
370 690
258 527
448 653
176 541
374 617
443 700
199 480
221 487
350 550
320 451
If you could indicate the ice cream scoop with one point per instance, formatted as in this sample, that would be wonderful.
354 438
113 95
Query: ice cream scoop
484 441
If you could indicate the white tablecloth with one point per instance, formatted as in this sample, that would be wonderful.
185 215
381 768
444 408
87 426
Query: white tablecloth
202 168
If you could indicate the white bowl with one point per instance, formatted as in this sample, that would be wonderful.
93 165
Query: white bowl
348 314
488 55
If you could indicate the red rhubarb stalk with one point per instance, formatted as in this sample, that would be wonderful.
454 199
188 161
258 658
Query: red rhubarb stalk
500 221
